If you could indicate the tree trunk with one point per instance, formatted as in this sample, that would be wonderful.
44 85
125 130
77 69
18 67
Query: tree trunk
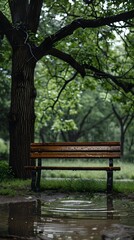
22 116
122 138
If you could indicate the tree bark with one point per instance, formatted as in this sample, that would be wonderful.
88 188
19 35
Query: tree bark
22 116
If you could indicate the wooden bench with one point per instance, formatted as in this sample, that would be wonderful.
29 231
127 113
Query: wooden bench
65 150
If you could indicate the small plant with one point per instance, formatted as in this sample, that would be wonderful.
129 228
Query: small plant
5 171
13 187
8 192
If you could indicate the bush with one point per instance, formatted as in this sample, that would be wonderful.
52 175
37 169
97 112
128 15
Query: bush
5 171
3 149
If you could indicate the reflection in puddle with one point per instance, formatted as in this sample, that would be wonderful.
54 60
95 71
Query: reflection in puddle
70 218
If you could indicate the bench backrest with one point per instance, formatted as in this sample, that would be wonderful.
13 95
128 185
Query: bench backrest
76 150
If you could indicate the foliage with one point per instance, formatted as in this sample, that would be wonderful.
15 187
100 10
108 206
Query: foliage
5 171
5 82
3 149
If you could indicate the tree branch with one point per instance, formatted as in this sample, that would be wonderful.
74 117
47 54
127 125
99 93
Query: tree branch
95 124
127 87
67 58
26 13
85 117
80 23
6 28
18 10
128 119
117 114
101 121
34 11
63 87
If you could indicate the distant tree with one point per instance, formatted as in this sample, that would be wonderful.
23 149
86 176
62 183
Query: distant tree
124 119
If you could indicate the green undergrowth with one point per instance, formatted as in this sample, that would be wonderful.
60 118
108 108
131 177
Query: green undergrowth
5 171
14 187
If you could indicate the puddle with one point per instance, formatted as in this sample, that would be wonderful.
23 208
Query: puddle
70 218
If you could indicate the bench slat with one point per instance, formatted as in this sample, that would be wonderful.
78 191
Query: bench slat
74 155
76 144
83 148
72 168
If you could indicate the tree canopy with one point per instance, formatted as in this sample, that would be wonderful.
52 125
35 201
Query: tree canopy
76 23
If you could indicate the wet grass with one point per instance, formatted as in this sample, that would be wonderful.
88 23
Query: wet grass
14 187
74 185
86 185
124 187
22 187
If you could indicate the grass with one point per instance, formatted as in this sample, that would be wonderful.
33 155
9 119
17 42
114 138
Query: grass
72 181
14 187
17 187
86 185
124 187
73 185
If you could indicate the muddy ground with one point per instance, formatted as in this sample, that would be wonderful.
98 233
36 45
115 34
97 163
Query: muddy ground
53 195
45 196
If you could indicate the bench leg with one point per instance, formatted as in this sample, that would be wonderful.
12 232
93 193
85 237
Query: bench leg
33 182
110 206
110 177
109 181
38 176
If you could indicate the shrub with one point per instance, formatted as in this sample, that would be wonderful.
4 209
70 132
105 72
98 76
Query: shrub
3 149
5 171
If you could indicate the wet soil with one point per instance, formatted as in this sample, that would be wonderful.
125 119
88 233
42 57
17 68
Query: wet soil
45 196
53 195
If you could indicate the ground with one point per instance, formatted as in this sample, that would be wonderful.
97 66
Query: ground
45 196
52 195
